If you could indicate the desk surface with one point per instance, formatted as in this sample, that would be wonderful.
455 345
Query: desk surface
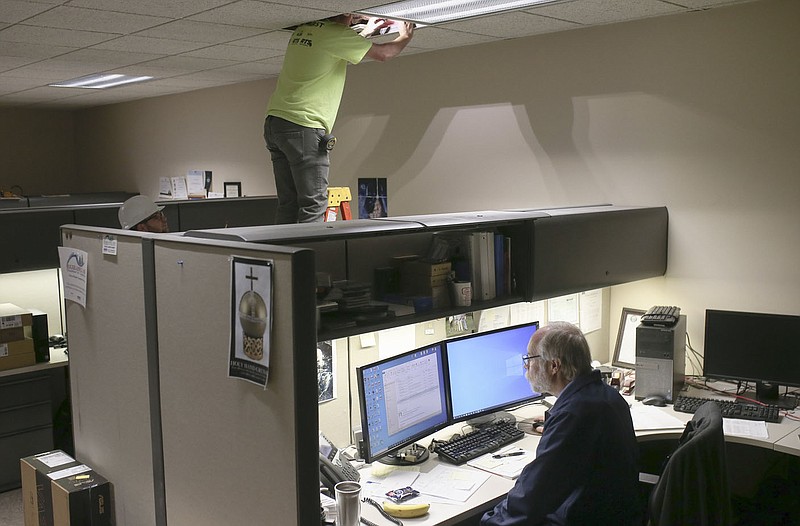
58 358
783 437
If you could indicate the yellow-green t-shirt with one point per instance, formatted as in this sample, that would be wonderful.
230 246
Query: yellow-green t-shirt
311 82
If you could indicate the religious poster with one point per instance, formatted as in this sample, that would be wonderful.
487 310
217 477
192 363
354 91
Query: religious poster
251 319
372 198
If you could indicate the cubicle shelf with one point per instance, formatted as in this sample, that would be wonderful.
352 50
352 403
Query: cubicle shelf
554 251
388 323
29 227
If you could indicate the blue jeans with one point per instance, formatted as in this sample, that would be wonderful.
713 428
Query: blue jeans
301 170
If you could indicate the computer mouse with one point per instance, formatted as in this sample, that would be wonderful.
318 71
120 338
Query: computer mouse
656 400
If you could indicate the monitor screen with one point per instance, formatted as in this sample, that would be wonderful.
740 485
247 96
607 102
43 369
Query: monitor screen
753 347
485 371
402 399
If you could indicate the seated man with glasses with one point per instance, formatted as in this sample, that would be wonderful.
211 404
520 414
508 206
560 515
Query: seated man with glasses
586 468
141 213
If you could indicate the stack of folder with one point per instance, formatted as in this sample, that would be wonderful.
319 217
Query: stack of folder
423 278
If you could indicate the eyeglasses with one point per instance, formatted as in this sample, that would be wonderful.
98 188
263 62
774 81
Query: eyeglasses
158 215
527 357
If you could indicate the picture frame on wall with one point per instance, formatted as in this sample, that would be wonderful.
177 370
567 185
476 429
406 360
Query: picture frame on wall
625 347
232 189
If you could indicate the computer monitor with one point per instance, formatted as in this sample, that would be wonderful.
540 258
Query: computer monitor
402 399
753 347
486 374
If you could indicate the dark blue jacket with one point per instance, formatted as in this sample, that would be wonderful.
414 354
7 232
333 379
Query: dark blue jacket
586 468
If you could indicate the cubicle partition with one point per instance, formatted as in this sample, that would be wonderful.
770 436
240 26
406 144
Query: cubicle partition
108 365
155 409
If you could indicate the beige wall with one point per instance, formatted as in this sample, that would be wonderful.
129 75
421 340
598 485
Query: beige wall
37 149
697 112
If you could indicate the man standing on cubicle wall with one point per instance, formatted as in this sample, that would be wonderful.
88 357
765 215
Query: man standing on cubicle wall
141 213
586 466
301 112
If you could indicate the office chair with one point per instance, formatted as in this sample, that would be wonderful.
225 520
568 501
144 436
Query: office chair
693 487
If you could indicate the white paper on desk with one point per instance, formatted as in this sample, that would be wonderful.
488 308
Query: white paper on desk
451 482
508 467
379 484
646 417
328 506
745 428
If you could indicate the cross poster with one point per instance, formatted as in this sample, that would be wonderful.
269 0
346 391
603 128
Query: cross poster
251 319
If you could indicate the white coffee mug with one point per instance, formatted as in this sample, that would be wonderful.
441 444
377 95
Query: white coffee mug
462 293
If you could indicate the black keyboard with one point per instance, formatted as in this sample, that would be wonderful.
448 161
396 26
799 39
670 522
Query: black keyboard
661 316
479 442
730 409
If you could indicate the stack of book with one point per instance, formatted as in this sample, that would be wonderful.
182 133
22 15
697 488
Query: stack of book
355 296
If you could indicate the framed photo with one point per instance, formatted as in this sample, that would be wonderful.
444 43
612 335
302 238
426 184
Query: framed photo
233 189
625 348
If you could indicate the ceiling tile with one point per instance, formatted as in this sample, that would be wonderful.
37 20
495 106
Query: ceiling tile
47 35
263 68
234 53
34 50
140 44
12 63
272 40
605 11
510 25
194 31
94 20
437 38
107 58
250 13
53 70
170 9
14 11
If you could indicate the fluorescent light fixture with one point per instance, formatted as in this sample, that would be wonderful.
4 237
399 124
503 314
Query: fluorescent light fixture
99 81
438 11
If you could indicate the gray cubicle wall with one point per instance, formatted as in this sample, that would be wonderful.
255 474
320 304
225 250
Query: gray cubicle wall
109 380
154 410
235 453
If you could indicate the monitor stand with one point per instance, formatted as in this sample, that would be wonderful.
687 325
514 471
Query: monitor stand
767 393
491 419
413 454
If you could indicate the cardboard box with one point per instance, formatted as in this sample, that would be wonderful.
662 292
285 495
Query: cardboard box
37 499
82 499
15 354
15 323
426 268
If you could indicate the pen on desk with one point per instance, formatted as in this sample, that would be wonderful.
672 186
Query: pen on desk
512 454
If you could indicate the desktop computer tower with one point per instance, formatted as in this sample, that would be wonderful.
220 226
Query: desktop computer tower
660 360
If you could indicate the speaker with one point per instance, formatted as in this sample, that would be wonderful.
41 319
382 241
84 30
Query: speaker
40 335
358 438
660 360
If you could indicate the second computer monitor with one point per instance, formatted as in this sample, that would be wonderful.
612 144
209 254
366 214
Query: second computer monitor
486 372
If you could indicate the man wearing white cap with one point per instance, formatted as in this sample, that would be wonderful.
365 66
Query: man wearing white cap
142 214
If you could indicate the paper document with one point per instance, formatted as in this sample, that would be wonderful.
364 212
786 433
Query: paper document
509 466
450 482
745 428
647 417
378 483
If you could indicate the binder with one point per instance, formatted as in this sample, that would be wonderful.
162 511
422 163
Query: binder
482 265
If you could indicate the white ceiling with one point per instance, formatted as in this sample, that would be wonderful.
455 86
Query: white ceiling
193 44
